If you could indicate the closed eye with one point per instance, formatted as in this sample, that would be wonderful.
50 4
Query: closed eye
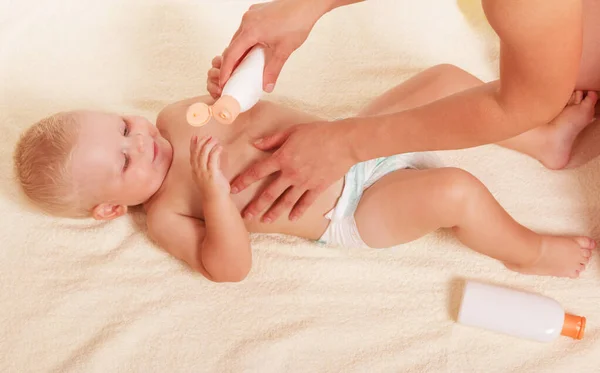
125 162
125 128
125 156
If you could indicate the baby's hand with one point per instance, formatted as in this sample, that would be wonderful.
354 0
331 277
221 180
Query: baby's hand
205 156
212 81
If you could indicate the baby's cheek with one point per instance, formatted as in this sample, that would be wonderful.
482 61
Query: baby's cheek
137 177
146 177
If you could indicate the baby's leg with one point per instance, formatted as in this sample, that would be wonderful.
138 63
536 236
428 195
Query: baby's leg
429 85
407 204
550 144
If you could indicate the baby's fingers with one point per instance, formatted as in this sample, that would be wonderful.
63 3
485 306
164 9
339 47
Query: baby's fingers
196 145
205 153
193 146
214 163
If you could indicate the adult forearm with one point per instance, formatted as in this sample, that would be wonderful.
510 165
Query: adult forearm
338 3
467 119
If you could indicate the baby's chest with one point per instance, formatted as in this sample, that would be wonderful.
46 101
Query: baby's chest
183 191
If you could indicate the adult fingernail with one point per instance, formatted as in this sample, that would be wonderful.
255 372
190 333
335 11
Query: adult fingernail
269 88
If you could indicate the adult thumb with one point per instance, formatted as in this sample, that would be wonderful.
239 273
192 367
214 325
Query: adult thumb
273 66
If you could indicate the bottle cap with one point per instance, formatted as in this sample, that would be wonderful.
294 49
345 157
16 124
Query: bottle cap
226 109
198 114
574 326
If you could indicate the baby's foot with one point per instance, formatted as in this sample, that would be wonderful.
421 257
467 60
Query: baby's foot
563 130
560 257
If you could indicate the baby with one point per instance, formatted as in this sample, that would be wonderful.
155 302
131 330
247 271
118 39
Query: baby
96 164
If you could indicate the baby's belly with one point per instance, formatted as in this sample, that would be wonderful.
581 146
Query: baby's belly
238 155
311 225
313 222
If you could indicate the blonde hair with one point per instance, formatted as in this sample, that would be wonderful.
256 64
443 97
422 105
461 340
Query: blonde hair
42 165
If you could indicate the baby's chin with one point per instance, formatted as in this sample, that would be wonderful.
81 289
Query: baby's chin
147 195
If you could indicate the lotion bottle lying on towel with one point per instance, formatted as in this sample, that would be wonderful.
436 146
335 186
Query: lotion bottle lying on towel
241 92
520 314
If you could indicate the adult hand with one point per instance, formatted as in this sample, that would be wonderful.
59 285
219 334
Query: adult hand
310 157
212 78
281 26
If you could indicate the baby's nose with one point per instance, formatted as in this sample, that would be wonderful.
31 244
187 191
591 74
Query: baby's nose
140 144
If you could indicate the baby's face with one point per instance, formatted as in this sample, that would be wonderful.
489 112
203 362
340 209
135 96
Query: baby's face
118 161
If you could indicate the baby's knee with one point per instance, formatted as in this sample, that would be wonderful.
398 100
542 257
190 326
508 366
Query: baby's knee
460 187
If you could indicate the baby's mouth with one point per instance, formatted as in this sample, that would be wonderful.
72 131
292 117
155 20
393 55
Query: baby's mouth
155 151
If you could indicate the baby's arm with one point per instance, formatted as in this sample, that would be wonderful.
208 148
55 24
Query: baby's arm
219 246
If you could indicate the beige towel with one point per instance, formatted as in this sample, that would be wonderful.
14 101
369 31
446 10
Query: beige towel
80 296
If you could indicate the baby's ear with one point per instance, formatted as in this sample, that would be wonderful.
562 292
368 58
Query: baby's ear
107 211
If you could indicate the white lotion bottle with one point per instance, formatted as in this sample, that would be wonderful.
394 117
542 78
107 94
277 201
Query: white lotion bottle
517 313
241 92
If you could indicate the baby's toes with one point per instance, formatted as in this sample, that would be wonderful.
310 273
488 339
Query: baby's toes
579 270
577 97
574 274
571 99
586 254
590 99
585 257
585 242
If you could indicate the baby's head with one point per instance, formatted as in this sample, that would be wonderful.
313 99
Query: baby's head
85 163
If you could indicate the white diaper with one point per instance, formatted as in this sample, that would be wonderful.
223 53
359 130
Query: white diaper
342 230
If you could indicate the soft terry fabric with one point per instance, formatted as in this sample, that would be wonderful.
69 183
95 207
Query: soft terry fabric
82 296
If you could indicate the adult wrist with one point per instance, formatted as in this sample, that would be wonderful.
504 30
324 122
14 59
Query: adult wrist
349 135
318 8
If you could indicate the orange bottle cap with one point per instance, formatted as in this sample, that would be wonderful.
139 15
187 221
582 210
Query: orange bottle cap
574 326
198 114
226 109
